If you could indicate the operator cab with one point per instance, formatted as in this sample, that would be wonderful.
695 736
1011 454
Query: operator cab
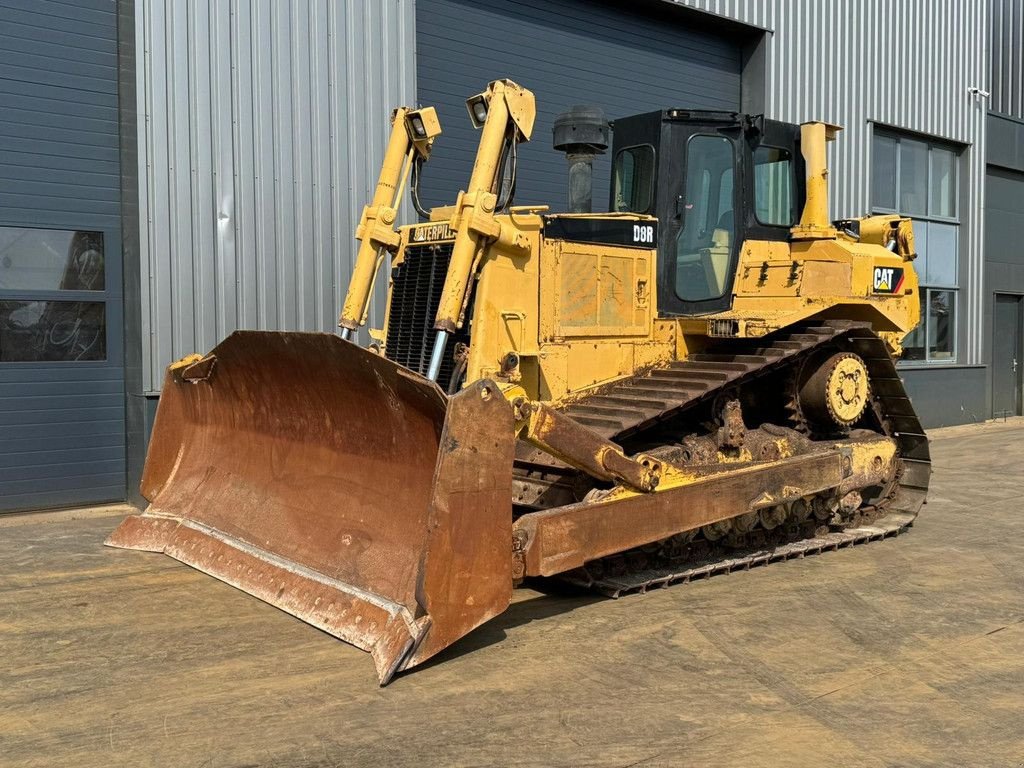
714 180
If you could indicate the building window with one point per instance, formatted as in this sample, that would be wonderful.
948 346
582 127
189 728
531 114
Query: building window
918 178
49 310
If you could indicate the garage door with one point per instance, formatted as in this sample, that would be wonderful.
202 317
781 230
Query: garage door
567 52
62 433
1004 211
1004 272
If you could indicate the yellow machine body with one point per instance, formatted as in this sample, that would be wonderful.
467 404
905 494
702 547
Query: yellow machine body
581 315
535 405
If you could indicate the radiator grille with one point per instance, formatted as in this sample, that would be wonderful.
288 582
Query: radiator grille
415 295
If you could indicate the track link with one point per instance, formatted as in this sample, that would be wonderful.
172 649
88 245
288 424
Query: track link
628 409
641 581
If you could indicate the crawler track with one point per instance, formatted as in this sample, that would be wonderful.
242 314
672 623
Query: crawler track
634 410
891 524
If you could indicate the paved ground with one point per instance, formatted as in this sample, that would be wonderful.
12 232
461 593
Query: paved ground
907 652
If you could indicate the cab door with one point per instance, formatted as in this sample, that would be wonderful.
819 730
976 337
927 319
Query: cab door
698 244
723 184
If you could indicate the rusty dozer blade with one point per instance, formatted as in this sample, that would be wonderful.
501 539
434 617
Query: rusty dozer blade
336 485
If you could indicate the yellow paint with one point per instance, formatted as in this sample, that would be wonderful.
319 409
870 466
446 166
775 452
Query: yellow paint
814 222
510 108
185 362
584 315
580 316
866 458
847 389
375 231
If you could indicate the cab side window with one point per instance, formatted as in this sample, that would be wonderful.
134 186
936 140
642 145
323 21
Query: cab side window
634 179
773 187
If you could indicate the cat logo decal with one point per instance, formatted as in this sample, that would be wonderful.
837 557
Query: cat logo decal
888 280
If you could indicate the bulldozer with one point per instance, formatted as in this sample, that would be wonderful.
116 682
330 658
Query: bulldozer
699 380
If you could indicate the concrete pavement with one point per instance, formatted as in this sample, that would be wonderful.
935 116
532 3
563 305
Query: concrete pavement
905 652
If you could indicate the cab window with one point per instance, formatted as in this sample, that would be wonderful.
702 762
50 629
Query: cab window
706 240
773 187
634 179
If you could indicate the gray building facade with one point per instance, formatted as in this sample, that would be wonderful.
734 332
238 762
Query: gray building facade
1003 278
227 148
62 406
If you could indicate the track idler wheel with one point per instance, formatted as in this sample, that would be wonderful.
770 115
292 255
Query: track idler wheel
834 391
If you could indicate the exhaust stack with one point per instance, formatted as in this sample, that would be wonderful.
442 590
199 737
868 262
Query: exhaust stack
814 221
582 133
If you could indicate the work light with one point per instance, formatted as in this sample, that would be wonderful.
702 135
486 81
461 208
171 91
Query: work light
422 126
417 127
477 106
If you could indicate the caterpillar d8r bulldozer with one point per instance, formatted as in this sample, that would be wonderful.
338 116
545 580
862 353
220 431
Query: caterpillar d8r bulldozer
699 380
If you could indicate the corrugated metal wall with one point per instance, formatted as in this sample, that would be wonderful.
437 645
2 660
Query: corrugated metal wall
264 125
567 52
906 64
1006 80
265 121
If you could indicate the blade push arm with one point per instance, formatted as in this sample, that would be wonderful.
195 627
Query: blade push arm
569 441
412 133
